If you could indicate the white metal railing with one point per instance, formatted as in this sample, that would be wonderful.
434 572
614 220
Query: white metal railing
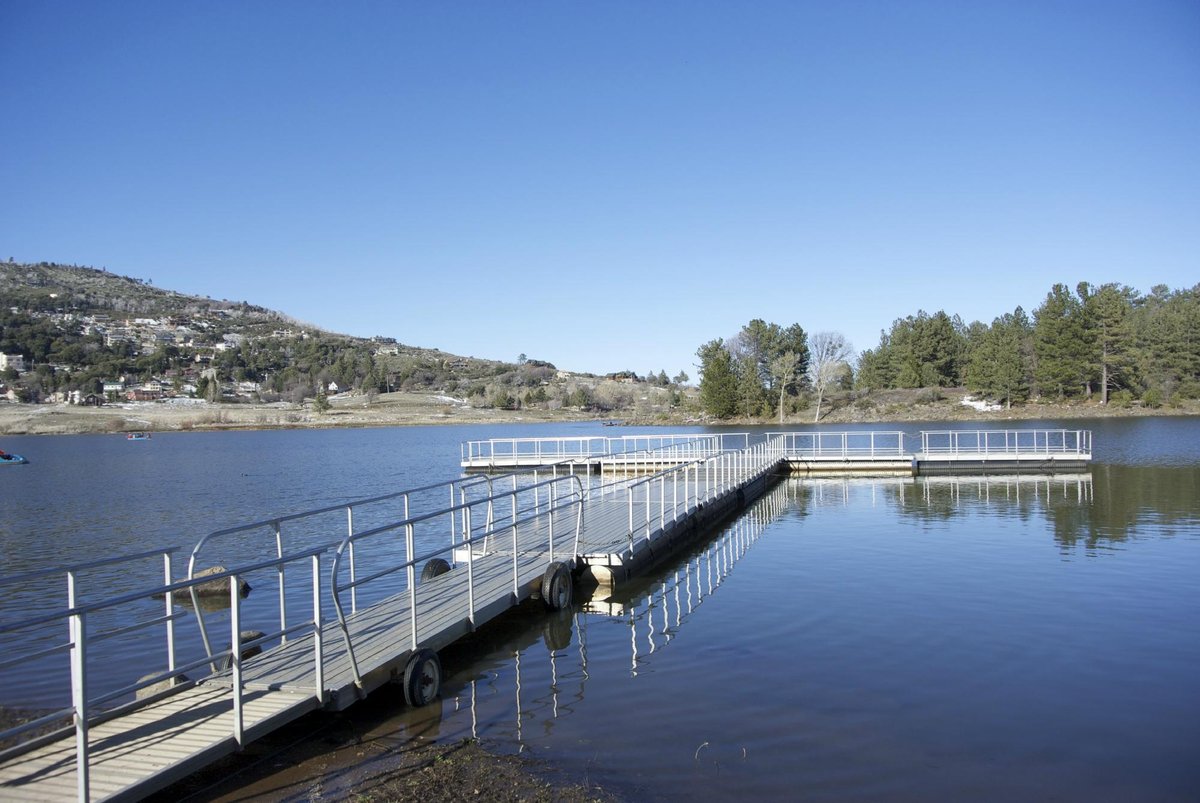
847 445
316 526
510 451
87 706
949 444
531 514
676 492
654 459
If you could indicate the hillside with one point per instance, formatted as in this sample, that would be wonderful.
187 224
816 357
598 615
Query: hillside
87 337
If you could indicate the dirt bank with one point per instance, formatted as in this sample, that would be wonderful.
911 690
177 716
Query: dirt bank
407 409
386 410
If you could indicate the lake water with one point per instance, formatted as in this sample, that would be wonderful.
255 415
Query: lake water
1001 638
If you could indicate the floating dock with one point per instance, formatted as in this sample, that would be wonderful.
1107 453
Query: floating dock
865 453
413 572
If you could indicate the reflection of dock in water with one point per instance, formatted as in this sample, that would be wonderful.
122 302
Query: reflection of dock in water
1011 488
654 609
531 690
937 489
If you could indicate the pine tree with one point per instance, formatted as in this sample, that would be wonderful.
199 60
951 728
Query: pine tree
718 382
1059 343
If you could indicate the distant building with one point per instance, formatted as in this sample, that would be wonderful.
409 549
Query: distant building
13 361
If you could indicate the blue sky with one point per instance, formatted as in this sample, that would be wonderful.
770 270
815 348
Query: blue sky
605 185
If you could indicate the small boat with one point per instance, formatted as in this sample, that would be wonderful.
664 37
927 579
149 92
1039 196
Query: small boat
7 459
137 436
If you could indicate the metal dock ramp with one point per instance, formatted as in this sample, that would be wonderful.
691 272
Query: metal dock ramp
510 538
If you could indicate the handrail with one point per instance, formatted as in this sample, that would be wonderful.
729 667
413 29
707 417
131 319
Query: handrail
594 446
79 567
509 521
722 473
275 525
1006 442
82 708
864 443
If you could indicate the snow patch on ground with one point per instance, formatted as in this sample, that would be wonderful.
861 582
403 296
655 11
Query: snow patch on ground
983 405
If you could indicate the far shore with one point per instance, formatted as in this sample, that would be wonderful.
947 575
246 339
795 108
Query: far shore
413 409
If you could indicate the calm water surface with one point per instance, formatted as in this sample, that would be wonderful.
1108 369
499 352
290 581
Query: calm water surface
1002 638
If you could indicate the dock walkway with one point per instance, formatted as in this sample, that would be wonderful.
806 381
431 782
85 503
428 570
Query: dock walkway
507 544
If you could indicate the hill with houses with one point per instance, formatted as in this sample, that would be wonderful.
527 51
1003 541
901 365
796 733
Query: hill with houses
85 336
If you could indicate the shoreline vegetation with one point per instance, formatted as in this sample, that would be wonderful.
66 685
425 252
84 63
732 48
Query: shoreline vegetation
420 409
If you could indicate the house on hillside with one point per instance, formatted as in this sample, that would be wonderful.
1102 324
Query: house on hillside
13 361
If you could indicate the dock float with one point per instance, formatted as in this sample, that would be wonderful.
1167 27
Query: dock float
412 572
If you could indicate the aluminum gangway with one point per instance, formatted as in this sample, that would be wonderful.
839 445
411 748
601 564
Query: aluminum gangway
406 579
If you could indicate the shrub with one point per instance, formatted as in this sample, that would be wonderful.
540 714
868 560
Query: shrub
1122 398
1188 390
929 396
1152 398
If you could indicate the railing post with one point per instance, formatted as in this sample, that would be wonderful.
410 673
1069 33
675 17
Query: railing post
411 575
279 571
235 657
318 644
470 574
629 495
550 514
170 602
77 630
647 511
516 584
675 495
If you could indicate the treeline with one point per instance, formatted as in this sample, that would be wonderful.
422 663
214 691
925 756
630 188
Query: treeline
1105 342
1108 343
756 373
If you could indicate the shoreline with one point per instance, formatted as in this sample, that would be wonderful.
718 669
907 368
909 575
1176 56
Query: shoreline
411 409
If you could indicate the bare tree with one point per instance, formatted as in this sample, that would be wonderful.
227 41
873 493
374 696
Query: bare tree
828 352
783 373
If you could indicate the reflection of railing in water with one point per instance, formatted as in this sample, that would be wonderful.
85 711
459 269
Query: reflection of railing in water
654 616
906 492
468 698
655 612
1014 488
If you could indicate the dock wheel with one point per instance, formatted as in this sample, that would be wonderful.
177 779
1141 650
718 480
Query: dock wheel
433 568
422 678
556 587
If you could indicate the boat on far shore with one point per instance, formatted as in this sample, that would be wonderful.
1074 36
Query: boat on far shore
137 436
